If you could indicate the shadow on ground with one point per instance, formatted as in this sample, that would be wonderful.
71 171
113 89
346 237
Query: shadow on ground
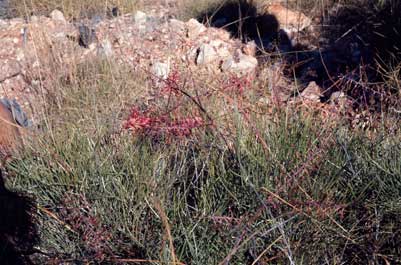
242 20
357 42
18 232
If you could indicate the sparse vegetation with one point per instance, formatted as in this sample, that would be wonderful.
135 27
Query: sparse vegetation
72 9
216 178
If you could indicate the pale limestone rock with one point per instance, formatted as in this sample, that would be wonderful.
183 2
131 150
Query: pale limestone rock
338 98
289 20
195 28
240 63
177 26
160 70
140 17
211 52
57 15
249 48
34 19
312 92
105 48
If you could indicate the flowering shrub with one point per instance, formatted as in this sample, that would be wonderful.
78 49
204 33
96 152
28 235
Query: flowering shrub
176 110
143 122
171 123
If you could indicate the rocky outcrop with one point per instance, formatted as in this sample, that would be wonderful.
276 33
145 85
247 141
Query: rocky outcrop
32 50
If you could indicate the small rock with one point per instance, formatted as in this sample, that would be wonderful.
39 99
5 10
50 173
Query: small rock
96 19
86 36
177 26
240 63
105 49
249 48
34 19
16 111
194 28
312 92
338 98
3 23
20 55
214 51
161 70
289 20
92 47
59 35
57 15
140 17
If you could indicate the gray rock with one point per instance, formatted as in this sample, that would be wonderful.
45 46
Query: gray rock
18 114
96 19
4 9
86 36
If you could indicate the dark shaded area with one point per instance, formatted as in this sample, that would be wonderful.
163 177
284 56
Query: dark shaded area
242 20
3 9
86 36
357 39
18 232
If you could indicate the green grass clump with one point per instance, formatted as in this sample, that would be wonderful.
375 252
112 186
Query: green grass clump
302 192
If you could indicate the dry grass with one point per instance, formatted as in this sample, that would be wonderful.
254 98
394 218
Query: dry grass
259 184
71 8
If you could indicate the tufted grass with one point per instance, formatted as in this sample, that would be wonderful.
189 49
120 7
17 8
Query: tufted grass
303 191
283 185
